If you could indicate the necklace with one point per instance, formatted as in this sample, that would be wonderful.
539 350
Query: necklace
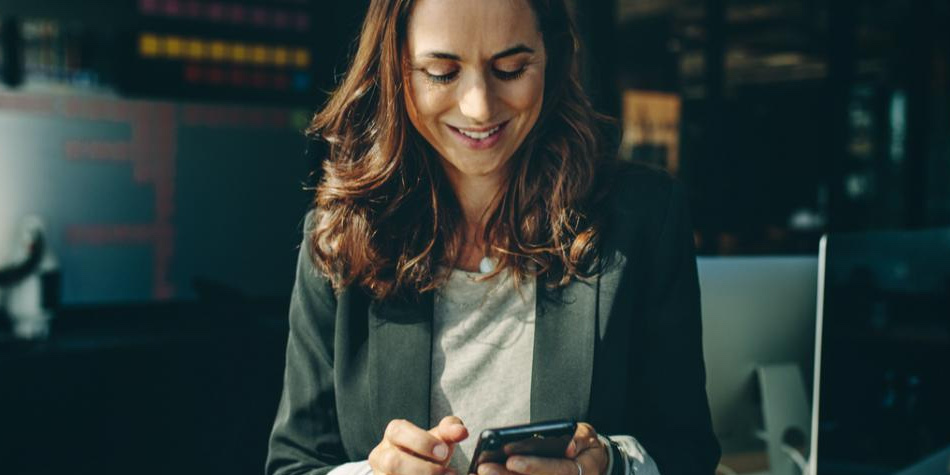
486 265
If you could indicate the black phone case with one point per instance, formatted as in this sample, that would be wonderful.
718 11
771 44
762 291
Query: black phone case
541 439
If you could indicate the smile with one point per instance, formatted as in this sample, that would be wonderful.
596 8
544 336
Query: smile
479 138
481 135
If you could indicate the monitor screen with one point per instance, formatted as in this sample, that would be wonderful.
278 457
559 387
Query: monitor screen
757 311
882 382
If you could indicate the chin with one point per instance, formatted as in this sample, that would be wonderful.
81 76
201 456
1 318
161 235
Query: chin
477 166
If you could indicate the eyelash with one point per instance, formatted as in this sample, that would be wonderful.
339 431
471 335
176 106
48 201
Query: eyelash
503 75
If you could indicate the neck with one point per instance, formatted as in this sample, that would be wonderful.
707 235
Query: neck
478 197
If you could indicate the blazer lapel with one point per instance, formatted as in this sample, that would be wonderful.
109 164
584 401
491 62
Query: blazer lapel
564 339
400 347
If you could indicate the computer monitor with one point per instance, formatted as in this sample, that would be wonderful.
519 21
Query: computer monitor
882 366
757 311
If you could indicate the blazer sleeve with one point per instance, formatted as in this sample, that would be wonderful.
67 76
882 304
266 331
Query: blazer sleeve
305 438
671 410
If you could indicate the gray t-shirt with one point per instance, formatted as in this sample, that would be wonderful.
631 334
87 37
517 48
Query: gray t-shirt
482 347
482 355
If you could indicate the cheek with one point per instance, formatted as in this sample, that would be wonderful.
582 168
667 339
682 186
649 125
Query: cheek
525 96
429 101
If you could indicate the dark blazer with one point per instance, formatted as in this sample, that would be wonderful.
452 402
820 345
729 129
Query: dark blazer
622 351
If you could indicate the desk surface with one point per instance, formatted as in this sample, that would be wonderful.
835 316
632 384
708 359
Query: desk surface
747 463
188 394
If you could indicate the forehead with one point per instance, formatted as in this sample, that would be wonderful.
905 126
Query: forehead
467 27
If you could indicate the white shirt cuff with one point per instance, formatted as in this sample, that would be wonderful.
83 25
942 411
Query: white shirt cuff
353 468
636 459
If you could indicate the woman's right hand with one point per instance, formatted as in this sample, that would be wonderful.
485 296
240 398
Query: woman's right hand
409 450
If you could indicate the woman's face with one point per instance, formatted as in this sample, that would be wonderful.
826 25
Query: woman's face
476 82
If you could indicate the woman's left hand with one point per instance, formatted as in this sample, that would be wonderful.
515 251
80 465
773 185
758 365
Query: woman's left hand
584 454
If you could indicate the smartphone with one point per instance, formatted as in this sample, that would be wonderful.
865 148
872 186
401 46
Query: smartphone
541 439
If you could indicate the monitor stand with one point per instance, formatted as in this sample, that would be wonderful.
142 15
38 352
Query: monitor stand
787 417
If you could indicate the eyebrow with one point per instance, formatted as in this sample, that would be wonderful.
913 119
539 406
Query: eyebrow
517 49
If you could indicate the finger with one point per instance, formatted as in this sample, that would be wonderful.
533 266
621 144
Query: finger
595 459
408 437
542 466
451 430
585 437
389 459
488 468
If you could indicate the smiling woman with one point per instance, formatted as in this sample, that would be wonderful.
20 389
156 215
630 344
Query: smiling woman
474 256
457 109
476 91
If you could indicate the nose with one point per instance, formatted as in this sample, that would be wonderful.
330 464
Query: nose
475 99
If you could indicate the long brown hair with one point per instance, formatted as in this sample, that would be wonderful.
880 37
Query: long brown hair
386 214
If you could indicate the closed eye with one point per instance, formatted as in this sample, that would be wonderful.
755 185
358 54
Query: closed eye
509 75
441 78
499 73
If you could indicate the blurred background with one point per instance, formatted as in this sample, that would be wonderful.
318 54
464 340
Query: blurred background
157 147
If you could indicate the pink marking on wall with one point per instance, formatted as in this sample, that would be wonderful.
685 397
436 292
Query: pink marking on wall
97 150
151 151
172 8
281 82
215 75
259 16
281 19
302 22
192 73
237 13
148 6
35 105
192 9
215 11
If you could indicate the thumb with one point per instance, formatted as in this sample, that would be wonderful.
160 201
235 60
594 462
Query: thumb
451 429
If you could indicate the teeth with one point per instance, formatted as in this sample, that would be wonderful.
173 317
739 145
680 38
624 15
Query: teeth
479 135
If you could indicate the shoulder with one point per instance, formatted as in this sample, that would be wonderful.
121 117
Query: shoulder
638 182
310 278
310 221
640 197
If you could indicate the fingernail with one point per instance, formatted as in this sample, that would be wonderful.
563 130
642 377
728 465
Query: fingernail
518 464
571 448
440 451
492 471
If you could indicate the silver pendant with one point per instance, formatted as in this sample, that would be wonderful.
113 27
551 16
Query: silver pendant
486 265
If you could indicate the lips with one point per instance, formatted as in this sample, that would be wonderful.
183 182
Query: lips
479 139
480 135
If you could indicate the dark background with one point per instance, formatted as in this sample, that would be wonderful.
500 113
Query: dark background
172 180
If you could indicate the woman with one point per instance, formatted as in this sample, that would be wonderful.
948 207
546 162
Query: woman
476 261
